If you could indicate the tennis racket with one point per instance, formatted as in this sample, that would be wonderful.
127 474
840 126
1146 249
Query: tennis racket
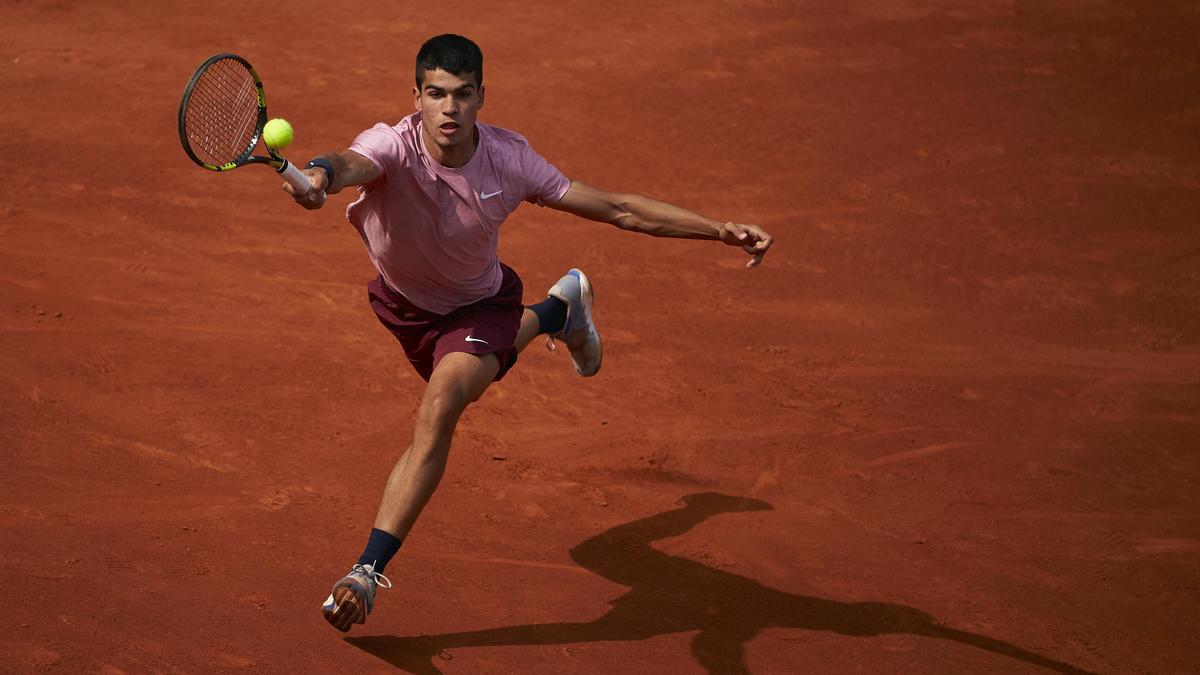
221 119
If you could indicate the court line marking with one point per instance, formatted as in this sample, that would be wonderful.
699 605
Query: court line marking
919 452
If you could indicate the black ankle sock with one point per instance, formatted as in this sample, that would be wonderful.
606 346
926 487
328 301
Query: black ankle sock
381 546
551 314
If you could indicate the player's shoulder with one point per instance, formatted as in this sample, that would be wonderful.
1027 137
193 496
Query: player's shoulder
387 140
404 128
408 124
501 138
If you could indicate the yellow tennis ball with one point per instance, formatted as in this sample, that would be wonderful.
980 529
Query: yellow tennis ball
277 133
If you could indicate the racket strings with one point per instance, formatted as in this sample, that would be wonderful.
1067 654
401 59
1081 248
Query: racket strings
221 117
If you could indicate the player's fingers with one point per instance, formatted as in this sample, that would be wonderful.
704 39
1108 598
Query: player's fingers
318 178
311 200
732 233
756 241
758 250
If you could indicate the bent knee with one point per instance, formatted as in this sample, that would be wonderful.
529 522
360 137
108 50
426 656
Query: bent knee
441 411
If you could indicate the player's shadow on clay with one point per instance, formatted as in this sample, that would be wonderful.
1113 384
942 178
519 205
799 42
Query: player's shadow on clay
676 595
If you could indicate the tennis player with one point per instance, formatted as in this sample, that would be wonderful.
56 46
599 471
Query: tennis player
433 192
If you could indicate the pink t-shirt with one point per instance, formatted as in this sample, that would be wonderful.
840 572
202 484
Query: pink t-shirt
432 231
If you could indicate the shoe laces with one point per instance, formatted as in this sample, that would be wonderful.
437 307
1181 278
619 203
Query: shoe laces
573 340
372 575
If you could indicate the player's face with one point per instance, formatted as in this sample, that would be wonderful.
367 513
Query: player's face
449 104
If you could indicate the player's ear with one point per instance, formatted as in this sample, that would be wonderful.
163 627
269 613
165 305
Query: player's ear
416 98
480 96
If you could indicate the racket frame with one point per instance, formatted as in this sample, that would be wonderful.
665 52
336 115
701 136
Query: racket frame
281 165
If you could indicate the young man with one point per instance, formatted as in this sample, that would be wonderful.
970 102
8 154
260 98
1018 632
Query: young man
434 190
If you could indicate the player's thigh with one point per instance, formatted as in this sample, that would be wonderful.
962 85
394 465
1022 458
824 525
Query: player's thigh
458 379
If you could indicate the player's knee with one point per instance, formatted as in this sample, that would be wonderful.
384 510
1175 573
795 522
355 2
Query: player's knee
440 412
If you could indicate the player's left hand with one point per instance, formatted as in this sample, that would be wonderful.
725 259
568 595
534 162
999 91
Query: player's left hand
753 240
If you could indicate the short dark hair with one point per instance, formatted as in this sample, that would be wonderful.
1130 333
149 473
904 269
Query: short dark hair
454 54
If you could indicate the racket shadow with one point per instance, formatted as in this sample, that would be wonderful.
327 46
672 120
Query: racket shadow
669 594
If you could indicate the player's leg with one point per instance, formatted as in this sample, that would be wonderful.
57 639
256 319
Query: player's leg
531 326
457 380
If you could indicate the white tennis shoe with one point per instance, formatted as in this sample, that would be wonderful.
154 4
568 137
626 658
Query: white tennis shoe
579 331
353 597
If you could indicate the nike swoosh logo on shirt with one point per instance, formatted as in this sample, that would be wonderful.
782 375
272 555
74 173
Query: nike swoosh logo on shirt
489 195
474 339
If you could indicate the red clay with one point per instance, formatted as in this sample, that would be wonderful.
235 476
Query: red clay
949 426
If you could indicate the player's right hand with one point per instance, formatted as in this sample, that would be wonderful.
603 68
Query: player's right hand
315 198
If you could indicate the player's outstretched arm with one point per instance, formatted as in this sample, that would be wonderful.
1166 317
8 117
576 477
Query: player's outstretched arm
335 171
638 213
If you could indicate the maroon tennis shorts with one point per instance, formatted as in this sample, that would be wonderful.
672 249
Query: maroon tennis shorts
485 327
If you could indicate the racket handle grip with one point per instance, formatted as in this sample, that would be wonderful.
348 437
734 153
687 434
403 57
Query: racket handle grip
296 178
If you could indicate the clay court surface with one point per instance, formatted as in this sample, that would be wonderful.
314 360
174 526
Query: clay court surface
950 426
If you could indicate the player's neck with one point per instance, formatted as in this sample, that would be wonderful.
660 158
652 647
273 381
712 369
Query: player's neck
454 156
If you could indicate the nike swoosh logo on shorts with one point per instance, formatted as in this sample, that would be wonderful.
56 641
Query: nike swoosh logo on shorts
475 339
489 195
